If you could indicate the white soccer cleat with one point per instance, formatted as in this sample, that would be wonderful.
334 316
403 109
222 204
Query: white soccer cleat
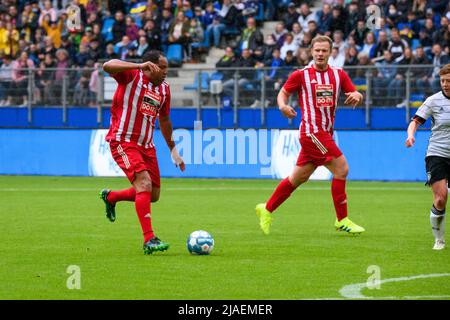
439 245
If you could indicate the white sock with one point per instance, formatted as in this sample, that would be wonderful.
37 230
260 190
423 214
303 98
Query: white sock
437 220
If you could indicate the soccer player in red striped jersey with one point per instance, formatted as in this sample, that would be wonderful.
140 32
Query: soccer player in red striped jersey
141 97
318 87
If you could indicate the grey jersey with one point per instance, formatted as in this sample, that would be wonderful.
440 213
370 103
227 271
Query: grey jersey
438 108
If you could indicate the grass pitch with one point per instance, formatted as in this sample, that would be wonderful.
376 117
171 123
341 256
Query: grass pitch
50 223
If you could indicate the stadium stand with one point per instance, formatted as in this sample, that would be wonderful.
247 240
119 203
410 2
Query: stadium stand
48 60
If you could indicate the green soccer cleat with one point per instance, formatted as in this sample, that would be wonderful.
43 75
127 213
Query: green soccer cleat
154 244
348 226
109 207
265 217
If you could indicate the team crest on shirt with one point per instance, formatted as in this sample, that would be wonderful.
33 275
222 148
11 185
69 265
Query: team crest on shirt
324 95
151 103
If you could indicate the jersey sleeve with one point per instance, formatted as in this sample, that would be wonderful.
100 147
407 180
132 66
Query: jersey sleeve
424 111
124 77
346 83
293 83
165 109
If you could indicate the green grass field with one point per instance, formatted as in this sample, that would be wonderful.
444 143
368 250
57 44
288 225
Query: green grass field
50 223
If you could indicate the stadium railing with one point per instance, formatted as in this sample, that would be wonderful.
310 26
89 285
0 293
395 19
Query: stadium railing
223 89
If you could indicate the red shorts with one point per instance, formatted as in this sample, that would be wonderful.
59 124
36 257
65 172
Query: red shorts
318 148
132 158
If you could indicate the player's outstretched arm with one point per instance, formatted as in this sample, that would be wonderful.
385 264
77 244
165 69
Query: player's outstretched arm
115 66
166 129
282 100
412 128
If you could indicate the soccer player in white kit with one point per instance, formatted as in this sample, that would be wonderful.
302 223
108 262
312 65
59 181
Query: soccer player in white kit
438 153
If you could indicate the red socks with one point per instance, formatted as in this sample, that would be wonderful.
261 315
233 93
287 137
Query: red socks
281 193
142 203
339 198
122 195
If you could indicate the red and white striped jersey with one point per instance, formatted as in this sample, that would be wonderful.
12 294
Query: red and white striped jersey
136 105
318 94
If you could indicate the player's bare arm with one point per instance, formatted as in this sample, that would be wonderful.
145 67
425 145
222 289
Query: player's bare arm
353 98
166 129
412 128
282 100
115 66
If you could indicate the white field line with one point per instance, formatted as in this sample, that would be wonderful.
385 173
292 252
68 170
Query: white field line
353 291
423 189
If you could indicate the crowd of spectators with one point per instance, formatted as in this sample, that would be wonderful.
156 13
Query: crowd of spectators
44 36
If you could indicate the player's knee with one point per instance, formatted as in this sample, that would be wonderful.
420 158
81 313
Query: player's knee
440 201
145 185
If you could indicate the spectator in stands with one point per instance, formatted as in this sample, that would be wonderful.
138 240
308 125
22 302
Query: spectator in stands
353 16
279 34
44 80
440 58
337 21
438 6
119 28
82 56
290 61
153 35
27 22
336 59
47 9
288 45
397 45
142 46
429 28
95 52
131 29
306 42
290 16
351 59
324 17
369 45
93 86
33 54
6 70
12 42
179 32
207 17
393 16
360 32
305 16
303 57
421 75
227 61
166 22
110 54
20 77
122 47
439 35
297 33
251 37
196 35
312 28
338 41
364 62
68 46
419 8
245 61
387 78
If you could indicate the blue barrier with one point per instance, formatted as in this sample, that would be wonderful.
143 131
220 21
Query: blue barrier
79 117
372 155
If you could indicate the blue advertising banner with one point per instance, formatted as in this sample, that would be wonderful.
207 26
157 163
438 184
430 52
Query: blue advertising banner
212 153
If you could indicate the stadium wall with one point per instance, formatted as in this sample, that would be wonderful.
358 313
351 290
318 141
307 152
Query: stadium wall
211 153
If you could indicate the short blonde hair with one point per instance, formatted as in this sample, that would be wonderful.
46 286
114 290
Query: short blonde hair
445 70
321 38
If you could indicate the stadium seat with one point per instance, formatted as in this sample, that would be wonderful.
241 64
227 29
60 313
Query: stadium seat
204 82
204 45
175 55
415 43
260 14
216 76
